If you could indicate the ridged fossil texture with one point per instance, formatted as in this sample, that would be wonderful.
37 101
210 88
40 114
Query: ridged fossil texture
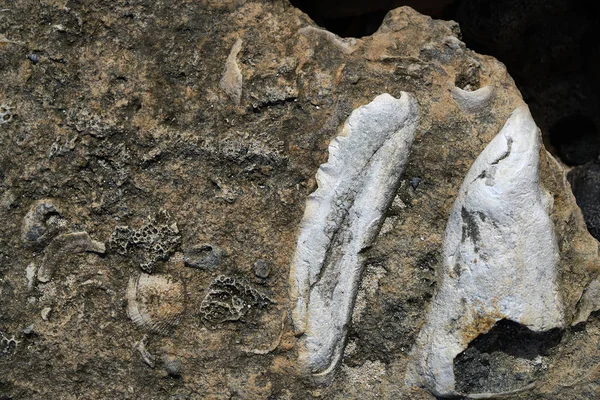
342 219
63 245
156 302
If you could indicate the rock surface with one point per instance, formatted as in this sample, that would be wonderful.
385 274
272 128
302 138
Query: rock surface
118 110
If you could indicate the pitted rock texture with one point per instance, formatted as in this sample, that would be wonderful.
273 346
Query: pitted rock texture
121 113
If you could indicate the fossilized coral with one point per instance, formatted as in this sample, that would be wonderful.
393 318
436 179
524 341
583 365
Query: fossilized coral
230 300
154 241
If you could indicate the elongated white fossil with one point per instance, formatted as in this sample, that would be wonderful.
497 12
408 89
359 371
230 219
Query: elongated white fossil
341 219
231 82
500 256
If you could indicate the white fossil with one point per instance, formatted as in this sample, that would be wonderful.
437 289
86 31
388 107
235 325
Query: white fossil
500 256
473 101
231 82
341 219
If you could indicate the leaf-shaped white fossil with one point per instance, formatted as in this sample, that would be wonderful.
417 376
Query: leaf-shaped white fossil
500 256
341 219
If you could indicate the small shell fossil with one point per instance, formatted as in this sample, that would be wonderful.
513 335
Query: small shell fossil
42 222
473 101
205 256
155 302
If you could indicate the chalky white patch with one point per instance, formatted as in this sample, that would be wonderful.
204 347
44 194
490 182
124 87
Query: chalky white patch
500 256
341 220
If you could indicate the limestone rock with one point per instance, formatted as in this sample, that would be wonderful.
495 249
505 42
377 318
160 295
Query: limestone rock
500 256
123 114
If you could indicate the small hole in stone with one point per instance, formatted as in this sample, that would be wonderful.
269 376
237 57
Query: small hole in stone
468 80
575 139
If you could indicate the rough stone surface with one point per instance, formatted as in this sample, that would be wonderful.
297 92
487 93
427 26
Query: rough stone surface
123 114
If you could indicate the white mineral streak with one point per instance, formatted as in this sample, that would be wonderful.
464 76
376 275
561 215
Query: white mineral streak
473 101
231 82
341 219
346 45
500 256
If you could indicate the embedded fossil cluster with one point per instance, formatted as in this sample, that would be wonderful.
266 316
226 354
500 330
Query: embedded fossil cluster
340 211
500 255
41 227
154 241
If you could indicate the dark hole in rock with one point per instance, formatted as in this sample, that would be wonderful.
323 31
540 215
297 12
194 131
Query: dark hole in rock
509 357
575 139
585 183
468 80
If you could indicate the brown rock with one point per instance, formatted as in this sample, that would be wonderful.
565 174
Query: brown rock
125 114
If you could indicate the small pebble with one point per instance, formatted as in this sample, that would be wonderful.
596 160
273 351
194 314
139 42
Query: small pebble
414 182
33 58
28 330
204 256
46 313
172 365
262 269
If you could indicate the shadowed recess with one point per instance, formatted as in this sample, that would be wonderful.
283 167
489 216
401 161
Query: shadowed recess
510 356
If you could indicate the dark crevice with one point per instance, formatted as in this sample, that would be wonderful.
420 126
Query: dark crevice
509 357
575 139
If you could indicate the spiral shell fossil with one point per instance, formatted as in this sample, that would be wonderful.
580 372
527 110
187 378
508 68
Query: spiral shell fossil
155 303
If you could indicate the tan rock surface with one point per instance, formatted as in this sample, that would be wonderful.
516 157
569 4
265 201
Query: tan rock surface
124 114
